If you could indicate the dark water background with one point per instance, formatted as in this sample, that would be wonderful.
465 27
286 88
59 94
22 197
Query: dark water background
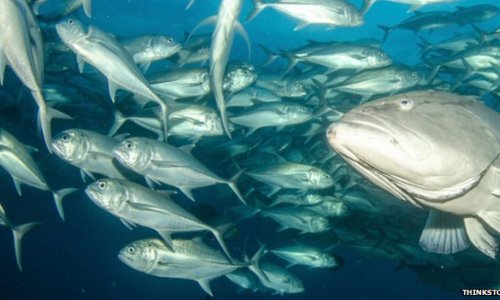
77 259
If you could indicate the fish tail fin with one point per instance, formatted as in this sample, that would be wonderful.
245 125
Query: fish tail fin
59 197
386 30
367 4
258 6
36 6
19 232
292 61
45 116
482 34
425 46
232 184
119 120
207 21
271 56
254 263
188 6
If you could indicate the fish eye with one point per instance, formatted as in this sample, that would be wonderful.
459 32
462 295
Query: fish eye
414 74
131 250
246 72
128 145
65 137
298 85
70 21
102 185
170 40
406 103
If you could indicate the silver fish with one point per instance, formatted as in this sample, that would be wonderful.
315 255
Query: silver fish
104 53
136 204
160 162
188 259
18 232
327 12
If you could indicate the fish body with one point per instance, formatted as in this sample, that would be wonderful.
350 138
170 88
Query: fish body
164 163
136 204
423 149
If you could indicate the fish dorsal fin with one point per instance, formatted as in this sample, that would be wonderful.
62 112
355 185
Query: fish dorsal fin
87 7
443 233
187 148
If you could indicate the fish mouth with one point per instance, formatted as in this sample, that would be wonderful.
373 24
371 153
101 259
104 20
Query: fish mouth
124 258
92 193
58 149
120 155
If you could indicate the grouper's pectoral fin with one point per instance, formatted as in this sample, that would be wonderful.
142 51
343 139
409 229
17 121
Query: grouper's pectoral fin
444 233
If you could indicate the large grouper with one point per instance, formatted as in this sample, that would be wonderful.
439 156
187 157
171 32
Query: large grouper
436 150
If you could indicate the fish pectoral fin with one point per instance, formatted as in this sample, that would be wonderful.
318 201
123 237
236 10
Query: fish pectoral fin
17 184
188 192
81 63
480 237
205 285
87 7
151 182
165 234
301 25
3 64
113 87
86 174
128 224
415 7
146 207
444 233
145 66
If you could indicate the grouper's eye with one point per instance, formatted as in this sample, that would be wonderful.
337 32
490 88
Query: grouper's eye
406 104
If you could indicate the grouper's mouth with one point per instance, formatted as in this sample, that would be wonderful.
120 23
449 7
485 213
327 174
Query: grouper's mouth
358 162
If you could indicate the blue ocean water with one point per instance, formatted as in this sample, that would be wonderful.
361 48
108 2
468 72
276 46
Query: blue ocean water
77 259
